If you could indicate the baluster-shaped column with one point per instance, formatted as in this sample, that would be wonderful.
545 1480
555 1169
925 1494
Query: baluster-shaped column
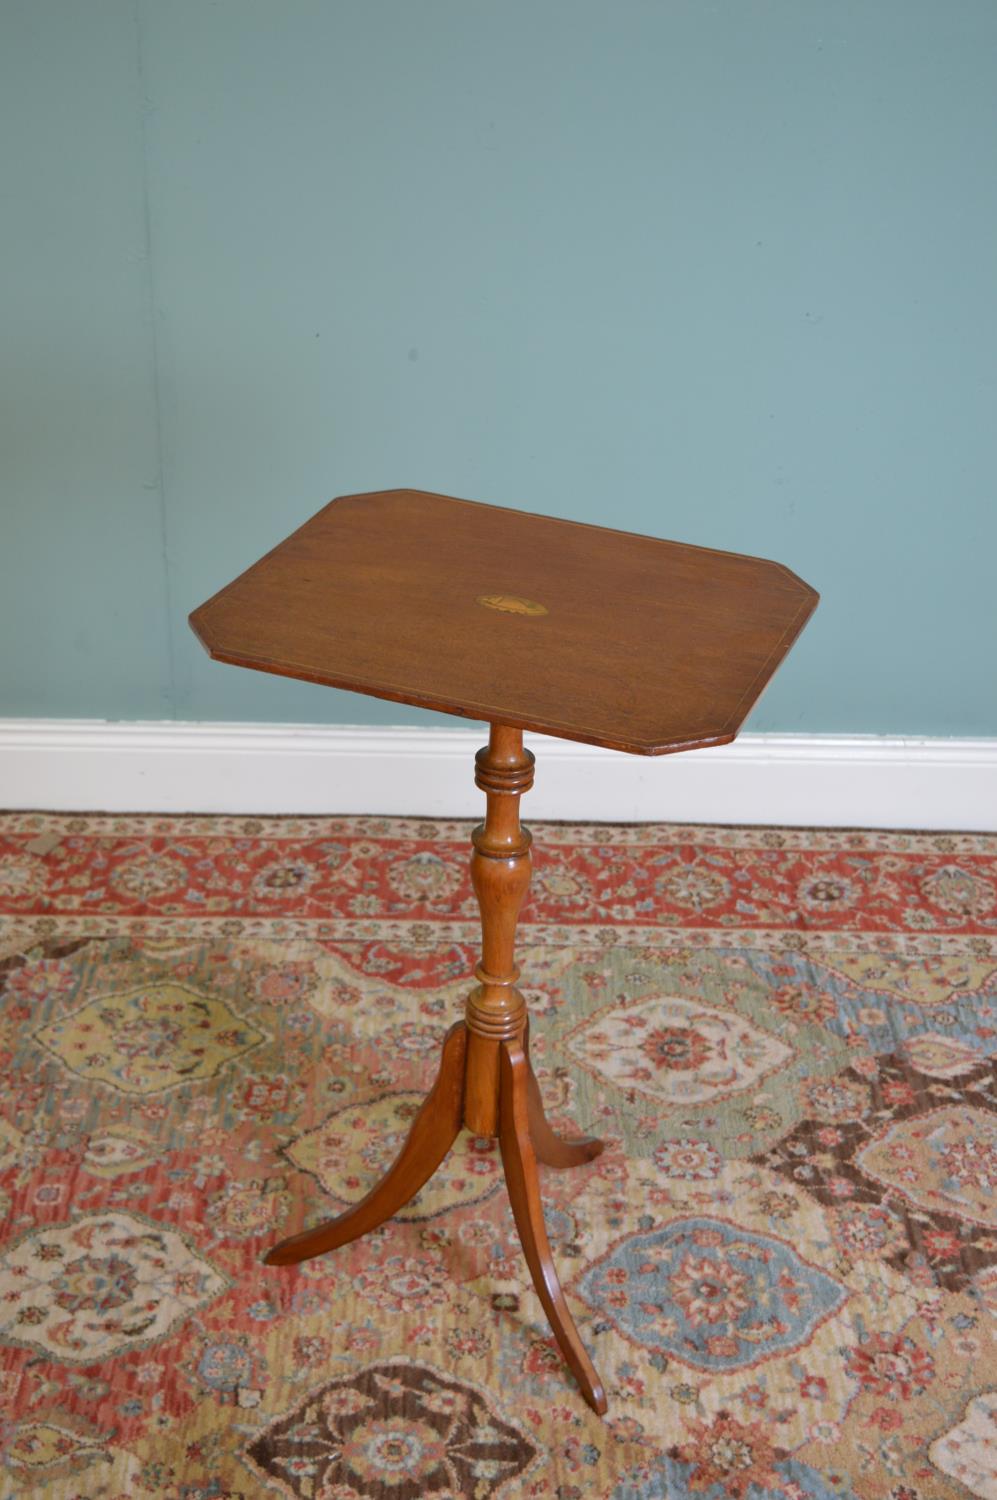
500 873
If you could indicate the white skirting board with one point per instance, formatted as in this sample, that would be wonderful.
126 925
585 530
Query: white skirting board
843 781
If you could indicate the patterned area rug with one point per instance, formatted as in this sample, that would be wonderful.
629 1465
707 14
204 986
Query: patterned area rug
214 1030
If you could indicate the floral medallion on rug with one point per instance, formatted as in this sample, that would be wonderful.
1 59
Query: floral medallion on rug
214 1031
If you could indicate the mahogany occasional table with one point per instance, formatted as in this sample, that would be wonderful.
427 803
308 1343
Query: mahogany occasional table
525 622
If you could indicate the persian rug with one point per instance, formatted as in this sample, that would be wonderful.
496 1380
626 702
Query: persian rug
215 1030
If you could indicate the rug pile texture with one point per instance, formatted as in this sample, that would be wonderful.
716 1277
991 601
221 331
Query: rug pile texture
216 1030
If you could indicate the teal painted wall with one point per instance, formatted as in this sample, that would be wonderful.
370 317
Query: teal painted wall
723 272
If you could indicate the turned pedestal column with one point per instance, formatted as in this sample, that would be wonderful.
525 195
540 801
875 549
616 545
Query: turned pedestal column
485 1081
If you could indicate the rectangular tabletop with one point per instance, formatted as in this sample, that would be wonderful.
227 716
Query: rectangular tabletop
573 630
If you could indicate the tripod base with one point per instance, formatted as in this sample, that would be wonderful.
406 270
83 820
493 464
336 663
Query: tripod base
525 1137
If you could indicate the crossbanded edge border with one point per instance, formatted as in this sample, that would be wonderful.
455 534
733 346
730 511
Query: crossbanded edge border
793 781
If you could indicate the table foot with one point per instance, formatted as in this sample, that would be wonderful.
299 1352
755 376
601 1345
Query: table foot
552 1149
519 1159
433 1132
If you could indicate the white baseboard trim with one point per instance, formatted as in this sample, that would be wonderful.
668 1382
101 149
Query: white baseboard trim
844 781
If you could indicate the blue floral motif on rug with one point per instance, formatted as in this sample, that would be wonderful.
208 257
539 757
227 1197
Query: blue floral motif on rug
710 1293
